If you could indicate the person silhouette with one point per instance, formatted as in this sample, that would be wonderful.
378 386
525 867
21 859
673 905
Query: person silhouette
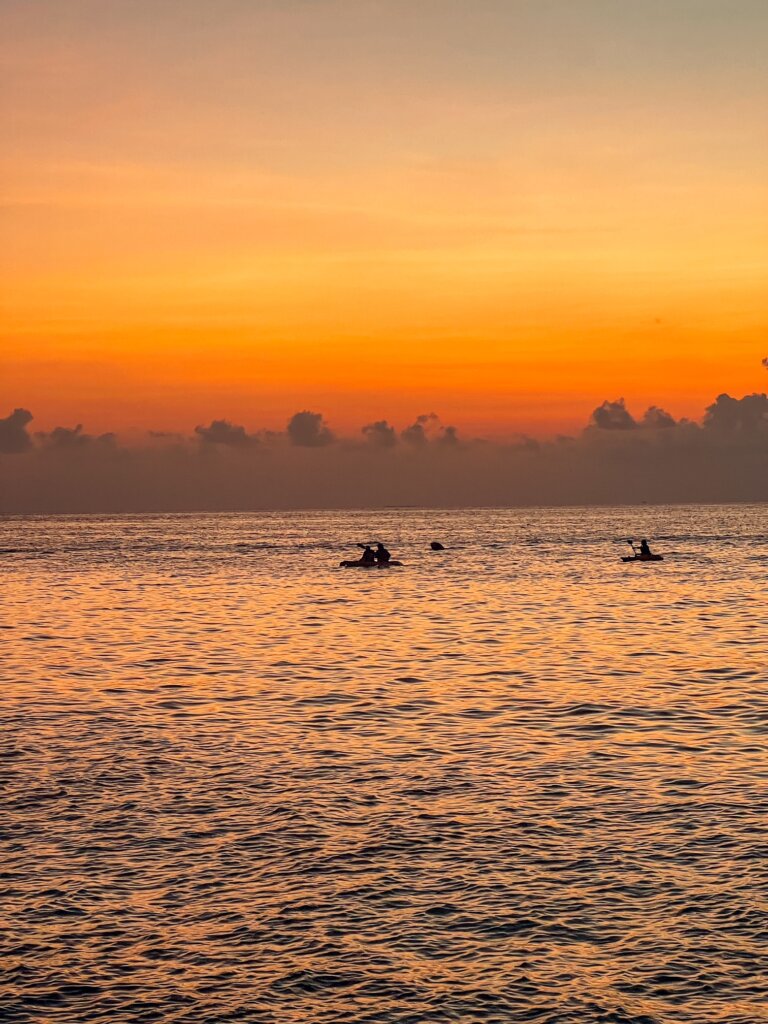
645 551
368 556
382 555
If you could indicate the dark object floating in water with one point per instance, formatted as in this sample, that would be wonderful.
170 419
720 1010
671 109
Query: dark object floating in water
356 563
437 546
642 558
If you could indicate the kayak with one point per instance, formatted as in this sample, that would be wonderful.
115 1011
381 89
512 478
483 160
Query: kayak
643 558
355 563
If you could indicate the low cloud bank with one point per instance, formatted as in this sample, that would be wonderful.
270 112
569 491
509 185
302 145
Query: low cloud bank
619 457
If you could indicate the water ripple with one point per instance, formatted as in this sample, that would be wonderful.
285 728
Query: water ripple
520 781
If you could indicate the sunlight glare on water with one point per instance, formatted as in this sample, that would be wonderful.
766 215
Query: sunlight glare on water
517 780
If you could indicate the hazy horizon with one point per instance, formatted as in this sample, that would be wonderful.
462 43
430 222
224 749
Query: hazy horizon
621 457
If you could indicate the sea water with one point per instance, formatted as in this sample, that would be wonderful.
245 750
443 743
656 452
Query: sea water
517 780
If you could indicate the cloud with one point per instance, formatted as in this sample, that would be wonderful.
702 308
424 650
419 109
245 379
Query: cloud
224 433
308 430
747 416
655 418
380 434
449 437
13 432
73 438
612 416
428 428
415 434
657 460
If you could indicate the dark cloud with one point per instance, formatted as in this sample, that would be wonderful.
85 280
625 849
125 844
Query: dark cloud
380 434
613 416
657 460
416 434
657 419
747 416
69 438
224 433
13 432
427 428
309 430
449 437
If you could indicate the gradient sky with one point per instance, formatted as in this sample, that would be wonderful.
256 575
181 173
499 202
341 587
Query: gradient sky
503 211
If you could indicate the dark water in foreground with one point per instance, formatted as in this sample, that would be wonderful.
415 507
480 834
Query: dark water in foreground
518 781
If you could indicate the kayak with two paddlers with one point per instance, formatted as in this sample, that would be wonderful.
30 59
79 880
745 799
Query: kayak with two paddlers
379 558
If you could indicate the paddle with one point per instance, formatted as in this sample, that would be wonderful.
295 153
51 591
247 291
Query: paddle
631 544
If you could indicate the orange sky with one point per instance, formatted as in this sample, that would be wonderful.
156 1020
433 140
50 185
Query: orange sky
504 212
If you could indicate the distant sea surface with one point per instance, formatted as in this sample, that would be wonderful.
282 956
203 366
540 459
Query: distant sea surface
517 780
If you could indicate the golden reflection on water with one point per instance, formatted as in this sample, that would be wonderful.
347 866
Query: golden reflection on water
516 781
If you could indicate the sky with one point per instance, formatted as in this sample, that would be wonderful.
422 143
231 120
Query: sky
503 212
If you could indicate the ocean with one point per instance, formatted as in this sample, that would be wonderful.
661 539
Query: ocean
517 780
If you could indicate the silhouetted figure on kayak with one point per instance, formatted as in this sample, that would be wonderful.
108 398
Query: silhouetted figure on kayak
642 553
368 556
437 546
382 555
